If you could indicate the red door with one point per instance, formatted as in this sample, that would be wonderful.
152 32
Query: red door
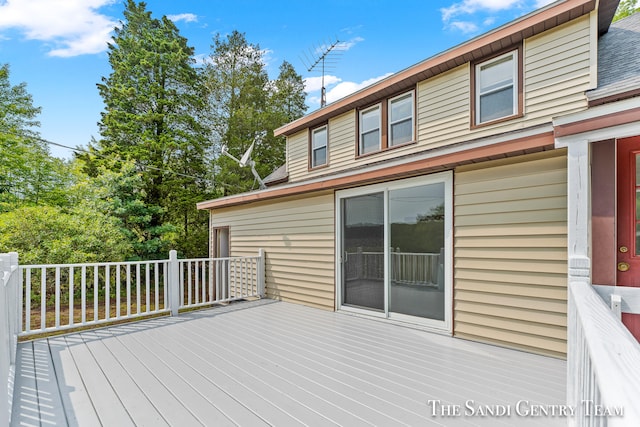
628 212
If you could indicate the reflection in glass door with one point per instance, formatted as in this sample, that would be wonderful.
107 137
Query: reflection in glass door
416 259
363 251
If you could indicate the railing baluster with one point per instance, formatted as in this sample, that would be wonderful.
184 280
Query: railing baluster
203 280
128 289
189 283
43 298
147 283
107 292
57 297
71 296
156 268
225 279
196 282
117 290
165 286
181 282
211 281
96 291
27 304
138 300
83 294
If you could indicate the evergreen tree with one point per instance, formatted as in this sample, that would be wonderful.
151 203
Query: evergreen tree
152 103
243 102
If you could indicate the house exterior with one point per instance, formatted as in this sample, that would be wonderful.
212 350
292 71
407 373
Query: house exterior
462 194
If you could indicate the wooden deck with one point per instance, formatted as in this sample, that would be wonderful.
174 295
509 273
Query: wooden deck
275 363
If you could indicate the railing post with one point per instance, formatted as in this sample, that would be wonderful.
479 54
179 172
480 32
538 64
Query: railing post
5 337
261 273
16 296
174 283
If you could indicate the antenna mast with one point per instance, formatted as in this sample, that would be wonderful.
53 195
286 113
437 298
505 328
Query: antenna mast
323 59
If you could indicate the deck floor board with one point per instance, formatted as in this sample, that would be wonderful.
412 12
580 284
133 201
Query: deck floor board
274 363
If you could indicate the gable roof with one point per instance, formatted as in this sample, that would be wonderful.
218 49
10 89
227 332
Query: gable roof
618 62
503 37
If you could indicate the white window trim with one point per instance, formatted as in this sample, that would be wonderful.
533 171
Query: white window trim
439 326
478 67
413 118
366 110
325 146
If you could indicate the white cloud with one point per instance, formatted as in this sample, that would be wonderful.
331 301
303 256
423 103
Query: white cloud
314 84
339 90
468 7
346 45
465 27
343 89
186 17
74 27
541 3
470 16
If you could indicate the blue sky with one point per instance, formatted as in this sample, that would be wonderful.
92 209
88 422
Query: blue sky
58 47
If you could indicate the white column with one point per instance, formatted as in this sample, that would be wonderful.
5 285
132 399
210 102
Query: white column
578 211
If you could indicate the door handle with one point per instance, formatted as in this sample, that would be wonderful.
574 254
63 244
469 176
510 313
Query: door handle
623 266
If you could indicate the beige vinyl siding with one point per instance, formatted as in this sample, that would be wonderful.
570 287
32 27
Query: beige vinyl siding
342 137
510 256
444 108
557 70
297 235
298 155
556 74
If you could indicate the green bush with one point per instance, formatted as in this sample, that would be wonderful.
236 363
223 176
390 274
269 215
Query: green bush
49 235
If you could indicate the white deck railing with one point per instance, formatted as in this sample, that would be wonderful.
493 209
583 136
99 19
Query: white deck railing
206 281
32 297
603 361
64 296
9 328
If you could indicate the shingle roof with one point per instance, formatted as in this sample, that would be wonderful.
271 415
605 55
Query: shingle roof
618 60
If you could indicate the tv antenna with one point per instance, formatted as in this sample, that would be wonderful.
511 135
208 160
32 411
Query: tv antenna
246 160
323 57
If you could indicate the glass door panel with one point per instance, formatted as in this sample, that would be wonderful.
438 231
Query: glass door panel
363 251
416 257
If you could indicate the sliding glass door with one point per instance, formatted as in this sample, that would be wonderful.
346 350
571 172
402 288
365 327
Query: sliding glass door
394 245
363 249
416 254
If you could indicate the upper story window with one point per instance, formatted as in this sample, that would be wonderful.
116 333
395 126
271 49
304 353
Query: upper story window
319 147
401 119
388 124
497 88
370 130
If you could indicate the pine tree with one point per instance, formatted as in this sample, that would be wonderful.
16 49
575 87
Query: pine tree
152 103
243 102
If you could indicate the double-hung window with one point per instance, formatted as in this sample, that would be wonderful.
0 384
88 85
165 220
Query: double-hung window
370 126
387 124
401 119
319 147
496 88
